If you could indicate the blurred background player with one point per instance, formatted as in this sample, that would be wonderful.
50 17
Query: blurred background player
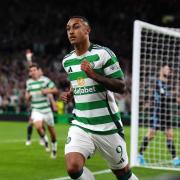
37 89
161 117
29 55
30 122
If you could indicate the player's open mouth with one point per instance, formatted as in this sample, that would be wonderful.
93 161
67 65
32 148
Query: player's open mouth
72 38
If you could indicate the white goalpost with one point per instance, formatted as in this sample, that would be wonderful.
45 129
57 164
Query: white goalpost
154 46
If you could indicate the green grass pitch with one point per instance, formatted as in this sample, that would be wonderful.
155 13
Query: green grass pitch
19 162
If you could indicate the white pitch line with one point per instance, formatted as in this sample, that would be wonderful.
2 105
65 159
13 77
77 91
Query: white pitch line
94 173
20 140
16 140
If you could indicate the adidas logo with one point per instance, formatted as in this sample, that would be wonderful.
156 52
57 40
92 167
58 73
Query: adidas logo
70 70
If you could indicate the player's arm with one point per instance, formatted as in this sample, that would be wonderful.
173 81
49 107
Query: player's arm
176 96
27 96
67 96
47 91
29 55
27 93
50 88
113 84
53 102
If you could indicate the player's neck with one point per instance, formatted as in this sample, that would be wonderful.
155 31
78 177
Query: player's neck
163 78
82 48
36 78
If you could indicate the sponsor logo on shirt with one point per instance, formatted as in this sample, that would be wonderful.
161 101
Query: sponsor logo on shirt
84 90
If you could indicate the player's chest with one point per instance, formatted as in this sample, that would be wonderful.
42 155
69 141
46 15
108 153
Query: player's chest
37 86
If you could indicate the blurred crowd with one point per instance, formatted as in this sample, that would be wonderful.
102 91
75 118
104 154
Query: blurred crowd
14 73
41 27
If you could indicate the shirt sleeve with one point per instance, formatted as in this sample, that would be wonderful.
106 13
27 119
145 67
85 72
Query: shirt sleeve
111 65
27 87
49 83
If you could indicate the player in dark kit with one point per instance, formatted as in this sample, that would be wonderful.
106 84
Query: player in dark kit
161 118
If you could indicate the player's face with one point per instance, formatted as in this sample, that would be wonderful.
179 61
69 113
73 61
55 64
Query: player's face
34 72
166 71
77 31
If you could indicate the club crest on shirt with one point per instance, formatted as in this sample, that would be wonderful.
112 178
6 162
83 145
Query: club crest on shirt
80 81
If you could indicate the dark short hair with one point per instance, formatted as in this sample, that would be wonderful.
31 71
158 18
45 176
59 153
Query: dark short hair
34 65
166 64
82 18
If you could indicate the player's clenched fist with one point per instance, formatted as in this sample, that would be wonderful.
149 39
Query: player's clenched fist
66 96
86 67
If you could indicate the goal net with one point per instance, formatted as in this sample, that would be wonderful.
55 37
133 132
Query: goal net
155 105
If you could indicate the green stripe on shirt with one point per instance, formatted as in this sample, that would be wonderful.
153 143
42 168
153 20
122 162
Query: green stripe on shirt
81 74
76 61
119 131
117 74
99 119
91 105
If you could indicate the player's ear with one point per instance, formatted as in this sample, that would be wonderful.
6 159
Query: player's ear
88 30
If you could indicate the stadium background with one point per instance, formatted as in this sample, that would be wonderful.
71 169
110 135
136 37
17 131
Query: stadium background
40 26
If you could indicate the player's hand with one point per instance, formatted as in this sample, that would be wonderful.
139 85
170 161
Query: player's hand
45 91
66 96
28 96
86 67
54 107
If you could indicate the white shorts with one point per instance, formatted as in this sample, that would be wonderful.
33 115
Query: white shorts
111 147
47 117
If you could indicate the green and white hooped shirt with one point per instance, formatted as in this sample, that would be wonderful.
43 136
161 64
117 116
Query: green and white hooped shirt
39 102
95 107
